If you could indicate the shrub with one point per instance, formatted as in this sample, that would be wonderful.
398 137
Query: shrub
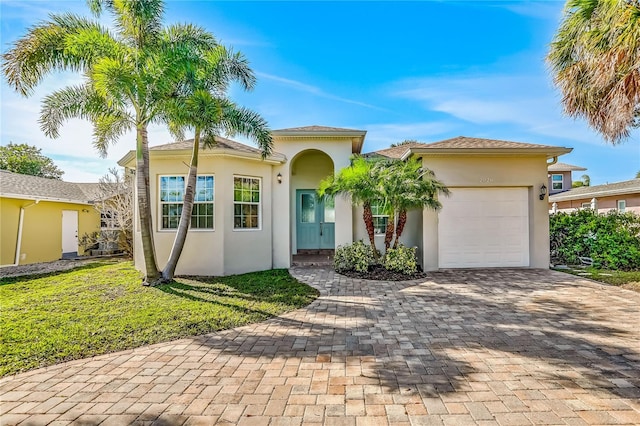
354 257
401 259
612 240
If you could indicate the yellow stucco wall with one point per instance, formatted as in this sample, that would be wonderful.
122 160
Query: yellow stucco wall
42 229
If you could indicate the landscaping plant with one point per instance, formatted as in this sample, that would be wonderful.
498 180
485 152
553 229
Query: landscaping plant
612 240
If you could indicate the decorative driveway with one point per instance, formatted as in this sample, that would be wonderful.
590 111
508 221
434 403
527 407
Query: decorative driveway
507 347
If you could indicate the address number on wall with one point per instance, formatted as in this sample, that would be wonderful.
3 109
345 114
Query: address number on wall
486 180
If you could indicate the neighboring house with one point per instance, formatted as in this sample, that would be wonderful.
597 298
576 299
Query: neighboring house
621 196
560 178
41 219
253 214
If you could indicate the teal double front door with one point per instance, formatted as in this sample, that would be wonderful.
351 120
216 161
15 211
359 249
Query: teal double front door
315 221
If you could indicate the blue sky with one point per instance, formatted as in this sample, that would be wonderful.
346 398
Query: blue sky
400 70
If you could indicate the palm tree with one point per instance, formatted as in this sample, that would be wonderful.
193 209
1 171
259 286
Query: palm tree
408 186
127 75
594 60
202 107
586 180
361 182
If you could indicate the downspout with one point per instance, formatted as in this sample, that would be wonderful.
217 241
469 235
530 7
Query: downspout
20 228
553 161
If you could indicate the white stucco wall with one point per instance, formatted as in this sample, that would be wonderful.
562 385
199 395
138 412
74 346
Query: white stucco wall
411 236
458 171
223 250
306 174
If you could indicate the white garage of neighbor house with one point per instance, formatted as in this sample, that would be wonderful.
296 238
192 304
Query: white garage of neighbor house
253 214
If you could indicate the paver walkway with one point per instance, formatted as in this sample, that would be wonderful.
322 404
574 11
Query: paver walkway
508 347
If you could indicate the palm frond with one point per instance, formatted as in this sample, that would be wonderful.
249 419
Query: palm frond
51 45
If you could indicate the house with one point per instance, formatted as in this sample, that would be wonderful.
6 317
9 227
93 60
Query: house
560 178
41 219
622 196
253 214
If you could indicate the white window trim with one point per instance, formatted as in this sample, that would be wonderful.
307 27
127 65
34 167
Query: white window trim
585 205
159 203
233 203
378 215
554 182
624 208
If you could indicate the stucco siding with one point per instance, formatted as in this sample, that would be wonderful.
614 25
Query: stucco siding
42 229
309 161
492 172
411 236
223 250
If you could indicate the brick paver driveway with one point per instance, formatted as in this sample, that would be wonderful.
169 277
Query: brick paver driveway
506 347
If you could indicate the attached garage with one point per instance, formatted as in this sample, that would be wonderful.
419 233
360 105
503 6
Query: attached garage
497 214
484 227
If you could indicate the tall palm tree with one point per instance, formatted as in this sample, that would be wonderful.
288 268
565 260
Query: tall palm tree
594 59
361 182
406 185
127 74
201 106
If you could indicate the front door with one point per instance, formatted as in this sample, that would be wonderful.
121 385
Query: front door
315 221
69 233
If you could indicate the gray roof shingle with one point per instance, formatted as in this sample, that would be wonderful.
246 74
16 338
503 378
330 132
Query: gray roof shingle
625 187
51 189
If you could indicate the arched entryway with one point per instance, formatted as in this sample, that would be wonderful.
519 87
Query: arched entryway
314 226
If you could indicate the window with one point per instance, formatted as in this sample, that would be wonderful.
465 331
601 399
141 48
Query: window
380 219
172 190
108 220
246 203
556 181
622 205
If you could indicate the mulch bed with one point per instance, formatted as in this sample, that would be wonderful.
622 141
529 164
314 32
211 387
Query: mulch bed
378 273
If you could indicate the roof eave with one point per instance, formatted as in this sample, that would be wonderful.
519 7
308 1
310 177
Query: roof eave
356 136
595 194
44 198
276 158
508 152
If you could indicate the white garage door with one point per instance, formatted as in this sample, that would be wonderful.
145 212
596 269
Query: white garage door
484 227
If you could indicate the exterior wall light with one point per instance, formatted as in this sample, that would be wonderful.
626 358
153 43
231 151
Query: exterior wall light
279 177
543 191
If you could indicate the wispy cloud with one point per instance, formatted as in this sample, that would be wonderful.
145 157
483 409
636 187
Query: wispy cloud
381 136
314 90
548 10
524 101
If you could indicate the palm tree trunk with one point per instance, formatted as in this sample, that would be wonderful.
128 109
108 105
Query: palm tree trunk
388 235
402 220
152 274
367 216
185 217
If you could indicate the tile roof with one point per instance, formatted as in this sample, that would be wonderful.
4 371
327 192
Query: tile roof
316 128
221 142
564 167
625 187
464 142
26 186
396 151
460 142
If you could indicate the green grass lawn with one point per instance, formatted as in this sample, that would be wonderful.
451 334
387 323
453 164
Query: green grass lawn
626 279
103 307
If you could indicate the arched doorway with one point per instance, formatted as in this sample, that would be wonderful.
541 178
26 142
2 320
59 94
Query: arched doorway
314 226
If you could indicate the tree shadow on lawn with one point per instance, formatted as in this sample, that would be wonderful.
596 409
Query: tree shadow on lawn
33 276
438 335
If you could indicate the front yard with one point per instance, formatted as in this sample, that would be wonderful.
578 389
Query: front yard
625 279
102 307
